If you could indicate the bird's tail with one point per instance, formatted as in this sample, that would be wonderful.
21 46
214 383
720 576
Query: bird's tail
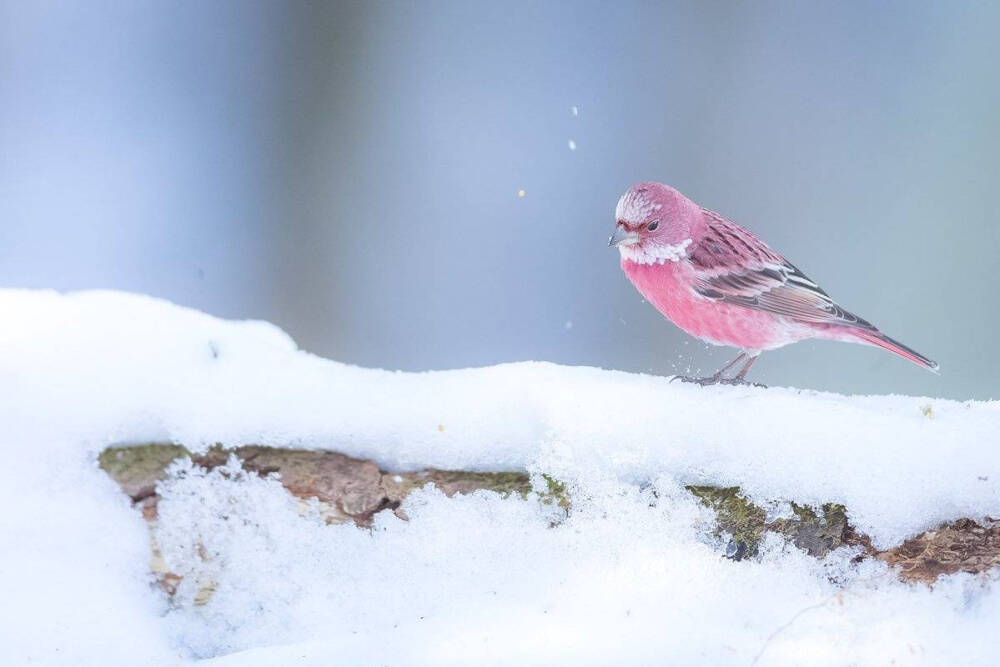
881 340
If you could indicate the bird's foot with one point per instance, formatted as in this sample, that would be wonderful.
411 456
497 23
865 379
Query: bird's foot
718 379
741 382
704 382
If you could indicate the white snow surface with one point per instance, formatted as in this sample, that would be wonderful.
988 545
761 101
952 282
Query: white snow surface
633 575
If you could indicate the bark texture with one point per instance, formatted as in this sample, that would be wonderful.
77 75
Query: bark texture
350 489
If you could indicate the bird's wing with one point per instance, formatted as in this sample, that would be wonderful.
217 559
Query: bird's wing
734 266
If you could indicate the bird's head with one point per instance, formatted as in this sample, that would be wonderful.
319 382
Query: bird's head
654 224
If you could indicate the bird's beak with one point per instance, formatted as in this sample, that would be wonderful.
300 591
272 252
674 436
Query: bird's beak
622 236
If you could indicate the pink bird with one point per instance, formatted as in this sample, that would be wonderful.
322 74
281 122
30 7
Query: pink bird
721 284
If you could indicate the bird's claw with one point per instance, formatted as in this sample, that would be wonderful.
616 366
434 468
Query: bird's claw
704 382
715 379
741 382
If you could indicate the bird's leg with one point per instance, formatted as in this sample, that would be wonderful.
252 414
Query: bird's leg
740 378
717 378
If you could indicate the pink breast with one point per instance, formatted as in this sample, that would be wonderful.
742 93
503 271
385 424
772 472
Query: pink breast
668 287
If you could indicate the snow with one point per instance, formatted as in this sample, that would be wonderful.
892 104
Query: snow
632 575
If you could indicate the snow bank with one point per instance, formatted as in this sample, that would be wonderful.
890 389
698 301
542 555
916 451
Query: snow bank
632 575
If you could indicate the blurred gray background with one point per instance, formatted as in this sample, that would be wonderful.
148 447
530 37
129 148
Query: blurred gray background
350 171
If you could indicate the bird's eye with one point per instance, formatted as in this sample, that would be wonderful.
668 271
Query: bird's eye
653 225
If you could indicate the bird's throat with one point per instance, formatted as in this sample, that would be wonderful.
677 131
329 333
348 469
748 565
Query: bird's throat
651 253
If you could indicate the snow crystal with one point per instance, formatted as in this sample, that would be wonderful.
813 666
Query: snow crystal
571 144
632 570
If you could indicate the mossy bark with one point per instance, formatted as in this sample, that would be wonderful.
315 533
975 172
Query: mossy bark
817 531
350 489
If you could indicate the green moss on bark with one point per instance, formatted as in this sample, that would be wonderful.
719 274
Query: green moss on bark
138 468
735 515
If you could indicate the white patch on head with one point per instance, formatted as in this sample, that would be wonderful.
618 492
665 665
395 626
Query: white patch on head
634 207
651 253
